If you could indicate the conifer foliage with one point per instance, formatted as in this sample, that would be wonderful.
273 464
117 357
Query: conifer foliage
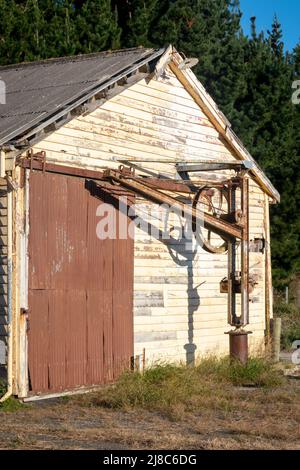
249 77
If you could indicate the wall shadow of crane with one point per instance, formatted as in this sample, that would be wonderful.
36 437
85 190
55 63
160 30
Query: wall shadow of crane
182 252
188 256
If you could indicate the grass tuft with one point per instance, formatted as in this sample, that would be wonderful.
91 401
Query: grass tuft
174 389
258 372
11 404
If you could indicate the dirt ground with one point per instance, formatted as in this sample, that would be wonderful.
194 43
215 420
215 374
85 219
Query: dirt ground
251 419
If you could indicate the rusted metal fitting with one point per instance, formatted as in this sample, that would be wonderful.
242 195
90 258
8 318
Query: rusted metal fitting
126 170
239 217
37 157
121 172
236 217
237 283
108 173
238 345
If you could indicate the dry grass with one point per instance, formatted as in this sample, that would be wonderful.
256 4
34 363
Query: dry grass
167 387
169 407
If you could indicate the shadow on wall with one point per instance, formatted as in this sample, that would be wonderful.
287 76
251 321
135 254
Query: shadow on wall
192 292
180 253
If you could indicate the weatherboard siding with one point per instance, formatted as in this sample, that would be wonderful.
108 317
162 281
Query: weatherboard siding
147 123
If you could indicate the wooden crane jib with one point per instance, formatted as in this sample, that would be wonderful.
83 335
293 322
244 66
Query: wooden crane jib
232 227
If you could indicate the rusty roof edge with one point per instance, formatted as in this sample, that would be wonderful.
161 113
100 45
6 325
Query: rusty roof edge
209 106
77 100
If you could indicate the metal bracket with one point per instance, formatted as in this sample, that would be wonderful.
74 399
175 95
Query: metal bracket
122 172
257 245
34 157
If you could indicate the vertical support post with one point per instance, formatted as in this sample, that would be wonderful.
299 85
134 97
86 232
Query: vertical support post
2 164
144 360
9 296
23 237
238 338
231 311
276 339
245 252
268 274
137 363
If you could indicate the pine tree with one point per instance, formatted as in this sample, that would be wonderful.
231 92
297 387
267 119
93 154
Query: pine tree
267 127
96 27
10 23
210 31
135 19
296 76
31 27
250 78
297 60
57 33
275 38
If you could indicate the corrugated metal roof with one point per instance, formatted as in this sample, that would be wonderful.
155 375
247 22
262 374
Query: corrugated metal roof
37 90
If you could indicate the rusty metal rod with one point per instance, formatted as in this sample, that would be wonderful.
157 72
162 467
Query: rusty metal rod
214 166
245 252
231 254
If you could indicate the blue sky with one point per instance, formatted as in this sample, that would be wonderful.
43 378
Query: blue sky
288 12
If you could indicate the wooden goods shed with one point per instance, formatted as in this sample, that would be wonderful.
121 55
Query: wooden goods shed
75 309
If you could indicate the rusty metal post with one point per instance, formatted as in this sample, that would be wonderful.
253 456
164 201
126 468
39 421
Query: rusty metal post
238 345
231 254
238 338
245 252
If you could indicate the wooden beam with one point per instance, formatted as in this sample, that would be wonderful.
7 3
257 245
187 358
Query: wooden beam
214 166
225 229
165 185
62 169
163 62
